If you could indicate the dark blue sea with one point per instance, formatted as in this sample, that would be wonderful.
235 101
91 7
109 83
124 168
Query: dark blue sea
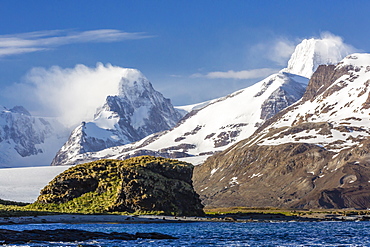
225 234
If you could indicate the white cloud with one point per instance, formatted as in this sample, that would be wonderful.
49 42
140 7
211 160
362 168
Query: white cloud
243 74
72 94
277 50
281 51
332 48
42 40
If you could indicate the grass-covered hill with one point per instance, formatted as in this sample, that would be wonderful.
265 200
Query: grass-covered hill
138 185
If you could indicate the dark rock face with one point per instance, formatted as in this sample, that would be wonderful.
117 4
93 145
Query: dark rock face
324 76
281 98
137 184
292 175
70 235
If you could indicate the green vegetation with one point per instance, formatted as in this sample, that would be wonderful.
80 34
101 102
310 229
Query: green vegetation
239 211
102 175
18 211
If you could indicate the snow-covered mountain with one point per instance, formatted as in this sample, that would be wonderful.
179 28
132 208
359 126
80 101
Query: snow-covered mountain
311 53
136 112
314 153
26 140
215 125
338 96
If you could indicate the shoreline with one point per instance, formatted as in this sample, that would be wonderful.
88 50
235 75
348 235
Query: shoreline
85 219
146 219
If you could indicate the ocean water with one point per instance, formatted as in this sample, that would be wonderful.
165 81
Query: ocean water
224 234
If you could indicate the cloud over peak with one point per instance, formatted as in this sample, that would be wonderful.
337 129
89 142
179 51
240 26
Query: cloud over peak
328 48
71 94
43 40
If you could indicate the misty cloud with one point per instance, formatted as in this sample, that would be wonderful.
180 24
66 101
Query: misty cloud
279 50
44 40
71 94
332 47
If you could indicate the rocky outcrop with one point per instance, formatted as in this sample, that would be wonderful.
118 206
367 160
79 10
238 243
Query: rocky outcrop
70 235
141 184
324 76
280 99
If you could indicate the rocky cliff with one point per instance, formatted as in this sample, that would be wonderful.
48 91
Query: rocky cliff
142 184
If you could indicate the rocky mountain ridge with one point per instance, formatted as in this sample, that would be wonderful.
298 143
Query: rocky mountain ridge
313 154
338 95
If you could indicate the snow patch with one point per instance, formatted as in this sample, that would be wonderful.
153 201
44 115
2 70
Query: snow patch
234 180
213 171
256 175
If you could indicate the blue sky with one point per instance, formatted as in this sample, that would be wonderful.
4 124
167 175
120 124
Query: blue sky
176 44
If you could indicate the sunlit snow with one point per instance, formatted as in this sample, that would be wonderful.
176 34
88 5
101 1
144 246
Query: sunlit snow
24 184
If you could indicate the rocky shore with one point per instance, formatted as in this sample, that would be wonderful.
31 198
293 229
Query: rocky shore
76 219
70 235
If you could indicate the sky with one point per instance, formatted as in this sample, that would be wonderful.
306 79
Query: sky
191 50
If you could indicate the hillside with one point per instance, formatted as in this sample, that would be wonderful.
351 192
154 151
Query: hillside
313 154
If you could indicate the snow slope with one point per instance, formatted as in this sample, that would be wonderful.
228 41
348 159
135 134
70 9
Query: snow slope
24 184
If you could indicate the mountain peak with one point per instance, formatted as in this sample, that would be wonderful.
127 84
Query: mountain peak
136 112
20 110
133 80
311 53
